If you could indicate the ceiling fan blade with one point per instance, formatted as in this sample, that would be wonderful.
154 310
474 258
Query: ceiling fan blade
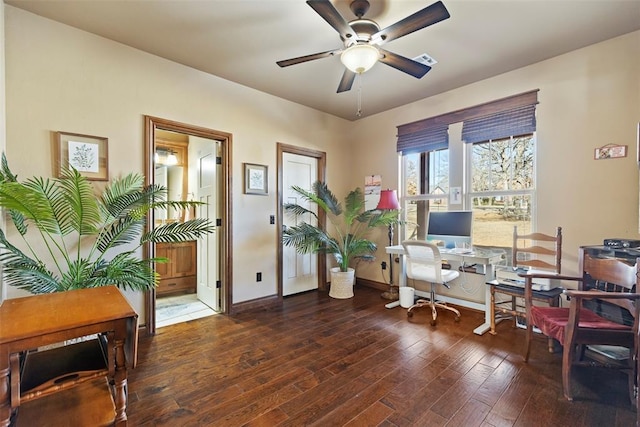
325 9
409 66
301 59
421 19
347 81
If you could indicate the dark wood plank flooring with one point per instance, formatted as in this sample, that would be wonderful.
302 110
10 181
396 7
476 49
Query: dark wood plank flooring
326 362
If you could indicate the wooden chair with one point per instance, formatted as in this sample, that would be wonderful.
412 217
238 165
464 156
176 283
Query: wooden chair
547 251
605 282
424 263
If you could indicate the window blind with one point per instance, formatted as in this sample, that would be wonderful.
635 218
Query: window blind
513 122
431 139
432 133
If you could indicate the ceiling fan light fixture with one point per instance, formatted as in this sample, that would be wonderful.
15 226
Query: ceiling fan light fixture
359 58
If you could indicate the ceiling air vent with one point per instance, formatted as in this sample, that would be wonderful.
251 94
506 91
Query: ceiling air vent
425 59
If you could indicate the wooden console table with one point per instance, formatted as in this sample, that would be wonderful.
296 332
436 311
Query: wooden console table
41 320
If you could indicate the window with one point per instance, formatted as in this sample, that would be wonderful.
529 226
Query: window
426 187
501 189
488 155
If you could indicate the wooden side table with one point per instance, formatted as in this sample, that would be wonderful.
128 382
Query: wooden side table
41 320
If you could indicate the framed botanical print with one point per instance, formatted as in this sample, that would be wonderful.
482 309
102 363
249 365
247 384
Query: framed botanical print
88 154
256 179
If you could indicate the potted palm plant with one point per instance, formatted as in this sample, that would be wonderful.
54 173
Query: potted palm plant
82 239
346 240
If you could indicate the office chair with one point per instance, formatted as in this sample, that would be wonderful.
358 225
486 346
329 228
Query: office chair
534 250
605 284
424 263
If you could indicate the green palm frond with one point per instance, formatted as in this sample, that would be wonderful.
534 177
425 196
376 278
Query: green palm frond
179 231
122 231
30 203
296 210
122 194
329 200
354 203
69 207
51 205
134 202
350 227
34 279
23 272
307 239
129 272
5 173
83 207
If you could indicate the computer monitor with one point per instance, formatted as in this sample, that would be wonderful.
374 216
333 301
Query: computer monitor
451 227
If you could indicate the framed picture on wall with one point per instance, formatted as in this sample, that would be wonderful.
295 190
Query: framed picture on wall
256 179
88 154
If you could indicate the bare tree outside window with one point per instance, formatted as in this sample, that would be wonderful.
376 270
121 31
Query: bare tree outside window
501 181
502 184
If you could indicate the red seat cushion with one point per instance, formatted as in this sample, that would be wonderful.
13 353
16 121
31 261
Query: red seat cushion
552 321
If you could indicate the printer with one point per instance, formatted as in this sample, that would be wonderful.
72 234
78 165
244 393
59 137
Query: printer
507 275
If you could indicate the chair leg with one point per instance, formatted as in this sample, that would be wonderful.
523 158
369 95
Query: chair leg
528 337
434 305
434 313
446 307
492 309
567 363
633 387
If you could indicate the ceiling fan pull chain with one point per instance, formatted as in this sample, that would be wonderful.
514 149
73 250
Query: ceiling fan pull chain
359 112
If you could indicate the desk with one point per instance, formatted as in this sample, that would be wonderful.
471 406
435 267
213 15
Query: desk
35 321
486 258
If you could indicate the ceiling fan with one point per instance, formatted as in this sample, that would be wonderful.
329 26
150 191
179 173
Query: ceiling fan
362 39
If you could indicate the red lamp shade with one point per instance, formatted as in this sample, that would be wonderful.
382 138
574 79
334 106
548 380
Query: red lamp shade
388 201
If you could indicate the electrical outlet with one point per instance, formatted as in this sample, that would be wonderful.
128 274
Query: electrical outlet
272 219
383 265
258 277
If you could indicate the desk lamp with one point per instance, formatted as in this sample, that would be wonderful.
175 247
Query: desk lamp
389 202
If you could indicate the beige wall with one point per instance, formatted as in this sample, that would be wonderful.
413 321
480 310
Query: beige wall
588 98
60 78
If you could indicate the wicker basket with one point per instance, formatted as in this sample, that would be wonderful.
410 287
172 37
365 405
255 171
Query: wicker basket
342 283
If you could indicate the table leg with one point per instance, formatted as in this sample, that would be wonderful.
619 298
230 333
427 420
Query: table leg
488 275
120 384
402 281
5 399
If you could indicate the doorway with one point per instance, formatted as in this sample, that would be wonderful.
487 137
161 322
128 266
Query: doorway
193 163
298 273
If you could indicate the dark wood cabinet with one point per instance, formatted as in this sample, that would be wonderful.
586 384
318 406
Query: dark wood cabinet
179 275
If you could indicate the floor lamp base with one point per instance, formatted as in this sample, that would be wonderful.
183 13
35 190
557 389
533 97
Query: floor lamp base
392 294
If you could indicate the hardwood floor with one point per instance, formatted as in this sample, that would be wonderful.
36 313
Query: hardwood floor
326 362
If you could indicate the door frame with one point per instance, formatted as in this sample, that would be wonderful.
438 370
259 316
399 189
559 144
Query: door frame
150 125
321 157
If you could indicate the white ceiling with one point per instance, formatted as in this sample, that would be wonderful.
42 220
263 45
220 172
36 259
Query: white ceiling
241 40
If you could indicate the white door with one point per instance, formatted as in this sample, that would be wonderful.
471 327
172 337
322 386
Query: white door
207 171
300 272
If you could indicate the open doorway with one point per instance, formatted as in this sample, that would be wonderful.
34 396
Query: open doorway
193 164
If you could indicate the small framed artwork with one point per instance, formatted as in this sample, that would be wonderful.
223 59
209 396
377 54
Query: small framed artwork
610 151
256 179
88 154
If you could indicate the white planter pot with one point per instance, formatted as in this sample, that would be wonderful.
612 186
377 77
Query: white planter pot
342 283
